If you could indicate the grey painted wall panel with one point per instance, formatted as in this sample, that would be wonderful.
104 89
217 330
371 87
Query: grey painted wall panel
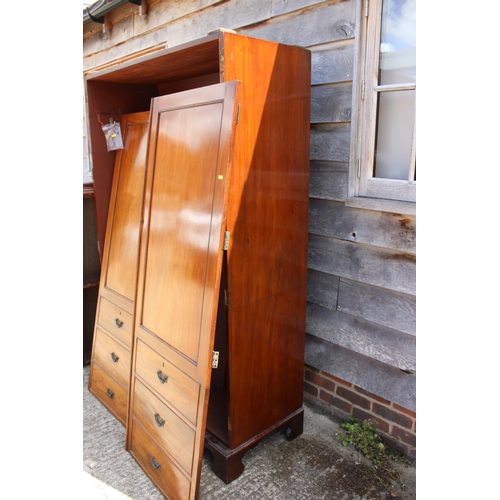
333 63
358 335
331 103
386 381
328 184
364 263
331 142
325 22
322 289
381 229
381 306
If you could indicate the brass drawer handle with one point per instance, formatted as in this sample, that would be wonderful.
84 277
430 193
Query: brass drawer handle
111 394
119 323
162 377
114 357
155 463
160 422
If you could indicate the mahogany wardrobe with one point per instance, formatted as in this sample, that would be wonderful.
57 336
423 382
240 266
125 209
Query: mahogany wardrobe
202 221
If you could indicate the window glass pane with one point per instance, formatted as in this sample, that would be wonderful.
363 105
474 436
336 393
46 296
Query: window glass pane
397 42
394 136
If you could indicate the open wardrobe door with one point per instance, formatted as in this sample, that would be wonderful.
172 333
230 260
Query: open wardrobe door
110 364
190 149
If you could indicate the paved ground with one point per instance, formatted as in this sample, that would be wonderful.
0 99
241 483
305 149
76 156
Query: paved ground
313 466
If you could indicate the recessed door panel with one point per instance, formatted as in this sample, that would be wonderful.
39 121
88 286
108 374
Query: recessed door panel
180 222
187 162
121 273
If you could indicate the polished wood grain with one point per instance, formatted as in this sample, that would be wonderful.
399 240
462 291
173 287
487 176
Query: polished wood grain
179 224
175 435
114 316
181 391
165 474
189 60
115 321
189 158
123 247
111 394
184 214
267 218
113 357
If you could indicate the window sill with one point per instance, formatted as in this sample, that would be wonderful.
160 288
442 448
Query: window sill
398 207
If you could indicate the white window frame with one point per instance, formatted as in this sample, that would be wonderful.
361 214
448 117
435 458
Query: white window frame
366 191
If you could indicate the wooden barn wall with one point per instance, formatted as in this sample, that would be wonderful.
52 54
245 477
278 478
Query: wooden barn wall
361 290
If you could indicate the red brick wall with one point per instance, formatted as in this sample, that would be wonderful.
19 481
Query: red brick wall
395 425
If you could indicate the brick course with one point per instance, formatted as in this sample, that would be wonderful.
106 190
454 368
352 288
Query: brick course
395 425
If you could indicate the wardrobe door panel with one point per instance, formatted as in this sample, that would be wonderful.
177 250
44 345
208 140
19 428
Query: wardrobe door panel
113 329
180 224
185 203
184 216
123 248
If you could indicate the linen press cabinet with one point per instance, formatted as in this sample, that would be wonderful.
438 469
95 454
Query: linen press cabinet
252 307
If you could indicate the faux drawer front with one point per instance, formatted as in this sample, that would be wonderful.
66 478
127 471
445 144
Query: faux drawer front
170 431
172 384
109 392
166 475
113 357
116 321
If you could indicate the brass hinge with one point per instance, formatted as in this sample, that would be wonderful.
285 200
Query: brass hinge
238 114
227 235
215 359
226 298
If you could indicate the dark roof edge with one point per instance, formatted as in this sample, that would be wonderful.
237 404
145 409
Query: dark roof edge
99 9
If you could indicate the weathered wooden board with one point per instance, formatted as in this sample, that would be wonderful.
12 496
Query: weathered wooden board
382 229
322 23
332 63
279 7
331 142
364 263
322 288
161 12
391 309
328 180
128 37
331 103
372 375
375 341
174 23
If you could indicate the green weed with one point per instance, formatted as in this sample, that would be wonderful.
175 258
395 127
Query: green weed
363 436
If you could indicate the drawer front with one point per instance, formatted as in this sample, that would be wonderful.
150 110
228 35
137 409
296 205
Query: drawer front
111 394
168 429
115 321
173 385
113 357
163 472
